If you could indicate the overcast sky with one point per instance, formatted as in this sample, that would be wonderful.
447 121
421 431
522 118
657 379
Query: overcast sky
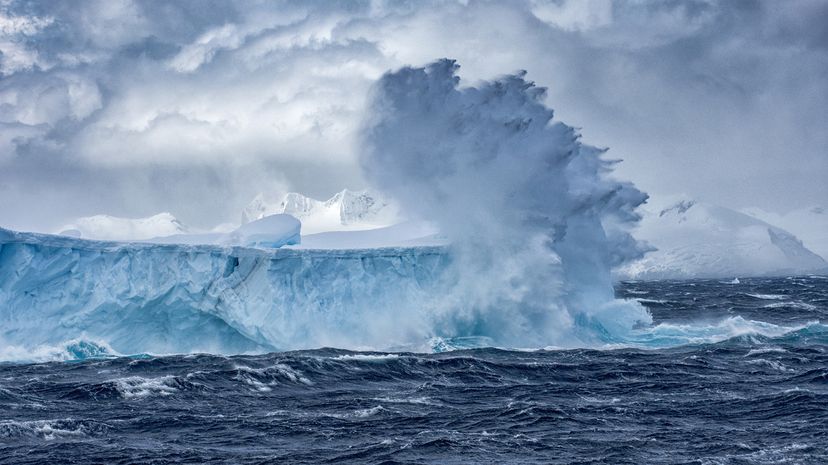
131 108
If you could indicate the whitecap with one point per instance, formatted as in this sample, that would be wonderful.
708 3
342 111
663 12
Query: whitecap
137 386
764 350
49 429
794 304
361 413
367 357
770 363
767 296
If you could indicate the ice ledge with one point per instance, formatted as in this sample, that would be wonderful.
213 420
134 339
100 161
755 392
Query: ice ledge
170 298
8 236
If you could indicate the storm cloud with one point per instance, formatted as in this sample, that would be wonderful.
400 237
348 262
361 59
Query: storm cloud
135 107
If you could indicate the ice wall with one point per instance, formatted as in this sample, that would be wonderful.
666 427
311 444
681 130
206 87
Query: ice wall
535 221
151 298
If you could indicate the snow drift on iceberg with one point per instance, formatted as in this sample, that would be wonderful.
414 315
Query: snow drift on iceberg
112 228
271 231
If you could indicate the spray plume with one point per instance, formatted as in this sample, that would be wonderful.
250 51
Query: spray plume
535 221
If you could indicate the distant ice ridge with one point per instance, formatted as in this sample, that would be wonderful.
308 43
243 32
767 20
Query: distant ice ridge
809 224
347 210
112 228
699 240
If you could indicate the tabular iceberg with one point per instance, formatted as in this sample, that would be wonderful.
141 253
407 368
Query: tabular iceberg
159 298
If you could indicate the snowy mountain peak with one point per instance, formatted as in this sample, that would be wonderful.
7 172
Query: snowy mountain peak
298 205
360 206
678 208
345 210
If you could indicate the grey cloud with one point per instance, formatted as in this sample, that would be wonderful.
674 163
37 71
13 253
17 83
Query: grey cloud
132 108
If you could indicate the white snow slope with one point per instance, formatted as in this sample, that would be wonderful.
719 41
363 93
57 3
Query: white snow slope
113 228
269 232
809 224
407 234
698 240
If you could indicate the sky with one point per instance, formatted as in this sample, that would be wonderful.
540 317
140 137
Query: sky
131 108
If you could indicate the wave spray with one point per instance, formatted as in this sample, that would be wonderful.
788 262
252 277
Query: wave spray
535 221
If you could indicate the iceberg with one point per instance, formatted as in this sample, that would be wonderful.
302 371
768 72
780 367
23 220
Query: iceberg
178 298
700 240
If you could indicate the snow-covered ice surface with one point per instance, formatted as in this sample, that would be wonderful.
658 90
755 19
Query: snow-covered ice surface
407 234
112 228
271 231
698 240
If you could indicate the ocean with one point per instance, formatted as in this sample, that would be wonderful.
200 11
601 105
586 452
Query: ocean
748 386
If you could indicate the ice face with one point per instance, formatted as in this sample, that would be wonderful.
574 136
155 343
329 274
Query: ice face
152 298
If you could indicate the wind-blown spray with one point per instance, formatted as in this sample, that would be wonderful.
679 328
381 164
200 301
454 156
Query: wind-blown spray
535 222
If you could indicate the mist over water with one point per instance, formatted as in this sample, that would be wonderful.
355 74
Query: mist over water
534 218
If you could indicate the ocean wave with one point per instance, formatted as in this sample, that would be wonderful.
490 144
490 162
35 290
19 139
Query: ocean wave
794 304
71 350
50 429
263 379
666 335
137 386
368 357
360 413
767 296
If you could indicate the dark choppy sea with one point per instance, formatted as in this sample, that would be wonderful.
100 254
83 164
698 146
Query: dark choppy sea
747 399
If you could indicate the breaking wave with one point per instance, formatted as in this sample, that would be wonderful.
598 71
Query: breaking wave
535 221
